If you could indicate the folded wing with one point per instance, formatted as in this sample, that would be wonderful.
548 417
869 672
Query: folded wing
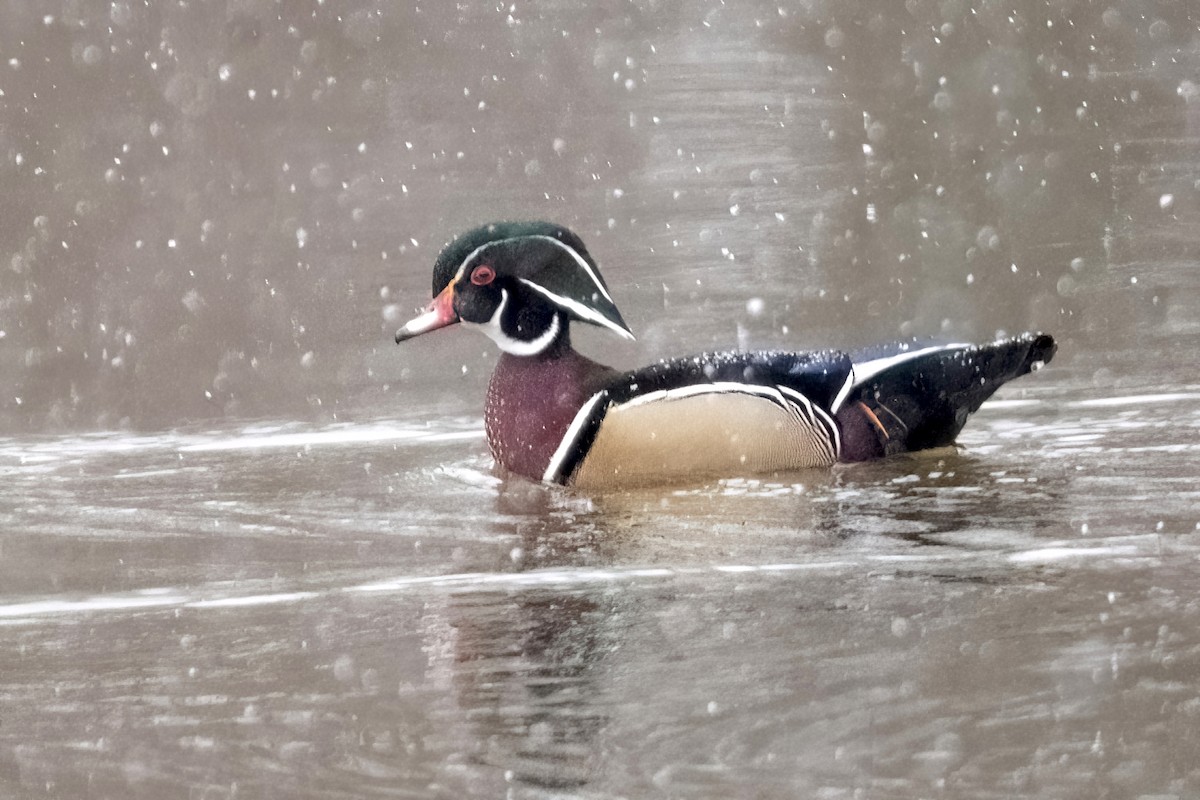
909 396
707 415
720 414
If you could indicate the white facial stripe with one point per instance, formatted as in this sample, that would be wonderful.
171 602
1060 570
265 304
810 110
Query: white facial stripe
568 441
579 260
517 347
462 268
869 369
589 314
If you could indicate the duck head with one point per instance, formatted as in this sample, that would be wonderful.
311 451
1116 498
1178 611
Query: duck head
520 283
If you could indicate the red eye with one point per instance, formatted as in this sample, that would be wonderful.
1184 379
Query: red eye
483 275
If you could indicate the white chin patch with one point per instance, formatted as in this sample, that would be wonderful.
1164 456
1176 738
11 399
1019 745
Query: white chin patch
516 347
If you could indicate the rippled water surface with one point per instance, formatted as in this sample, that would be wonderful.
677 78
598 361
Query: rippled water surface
365 610
249 548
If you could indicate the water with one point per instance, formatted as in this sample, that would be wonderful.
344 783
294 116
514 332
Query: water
249 548
365 610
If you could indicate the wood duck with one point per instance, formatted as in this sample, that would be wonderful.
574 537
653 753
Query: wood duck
554 415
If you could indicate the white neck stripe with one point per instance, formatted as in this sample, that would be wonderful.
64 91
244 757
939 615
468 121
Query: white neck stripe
517 347
579 260
463 266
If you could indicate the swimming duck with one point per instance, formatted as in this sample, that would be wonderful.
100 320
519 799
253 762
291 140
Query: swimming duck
557 416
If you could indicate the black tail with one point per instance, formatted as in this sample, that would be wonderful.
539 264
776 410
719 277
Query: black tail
912 398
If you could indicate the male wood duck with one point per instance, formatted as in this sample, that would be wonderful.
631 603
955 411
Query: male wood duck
557 416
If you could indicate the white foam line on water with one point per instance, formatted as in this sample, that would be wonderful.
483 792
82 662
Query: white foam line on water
51 452
1136 400
1158 448
42 450
930 558
149 473
90 604
148 599
812 565
1022 403
356 435
454 436
493 579
1046 554
560 577
252 600
166 597
163 597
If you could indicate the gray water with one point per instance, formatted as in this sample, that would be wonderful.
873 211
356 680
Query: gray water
249 548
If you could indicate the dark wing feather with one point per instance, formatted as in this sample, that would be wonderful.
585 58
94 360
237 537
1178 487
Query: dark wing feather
911 396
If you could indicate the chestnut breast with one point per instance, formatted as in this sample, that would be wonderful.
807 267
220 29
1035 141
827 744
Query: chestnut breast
531 402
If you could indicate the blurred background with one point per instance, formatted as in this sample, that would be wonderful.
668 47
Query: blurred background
224 209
